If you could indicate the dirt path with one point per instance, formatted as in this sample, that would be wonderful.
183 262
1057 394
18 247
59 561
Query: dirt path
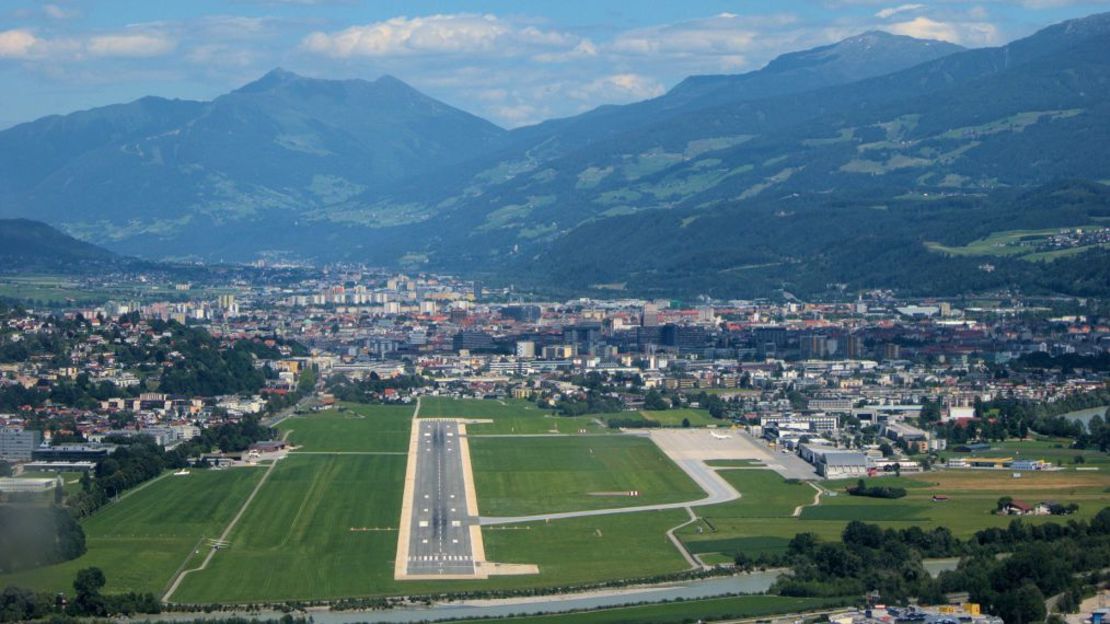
816 500
223 536
690 560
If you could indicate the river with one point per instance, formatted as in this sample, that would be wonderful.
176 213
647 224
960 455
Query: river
752 583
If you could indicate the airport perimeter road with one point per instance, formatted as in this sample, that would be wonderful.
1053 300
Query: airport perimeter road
439 537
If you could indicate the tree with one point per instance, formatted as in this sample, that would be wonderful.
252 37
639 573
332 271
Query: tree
87 585
685 423
654 401
5 469
802 544
1021 606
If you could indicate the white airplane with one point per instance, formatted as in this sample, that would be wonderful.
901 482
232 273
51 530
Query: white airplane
720 436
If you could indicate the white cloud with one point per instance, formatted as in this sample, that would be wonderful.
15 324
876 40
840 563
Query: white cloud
618 88
726 33
16 43
56 12
903 8
584 49
130 45
462 33
963 33
216 55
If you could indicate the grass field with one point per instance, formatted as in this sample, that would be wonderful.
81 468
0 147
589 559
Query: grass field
674 417
372 428
1049 449
589 549
519 476
509 416
295 540
1008 243
761 520
140 541
682 612
765 499
972 495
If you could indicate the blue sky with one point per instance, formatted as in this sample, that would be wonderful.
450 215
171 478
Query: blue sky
513 62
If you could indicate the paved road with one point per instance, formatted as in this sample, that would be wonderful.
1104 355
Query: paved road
439 539
716 488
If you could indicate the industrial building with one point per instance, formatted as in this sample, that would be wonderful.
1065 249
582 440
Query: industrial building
18 444
70 453
834 463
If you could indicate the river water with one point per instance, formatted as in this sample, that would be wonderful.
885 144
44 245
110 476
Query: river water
753 583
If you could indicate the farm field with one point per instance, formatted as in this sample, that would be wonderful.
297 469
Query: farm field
681 612
374 428
511 416
674 417
140 541
537 475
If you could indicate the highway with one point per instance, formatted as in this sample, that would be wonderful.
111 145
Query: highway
439 537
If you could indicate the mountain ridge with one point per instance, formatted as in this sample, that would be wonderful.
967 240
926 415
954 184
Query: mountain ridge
375 171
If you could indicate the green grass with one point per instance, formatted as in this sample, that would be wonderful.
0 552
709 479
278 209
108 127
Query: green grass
1006 243
372 428
869 512
520 476
765 498
674 417
295 540
140 541
765 526
734 463
728 546
588 549
683 612
1053 450
510 416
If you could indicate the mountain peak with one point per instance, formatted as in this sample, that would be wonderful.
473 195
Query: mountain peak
275 77
881 51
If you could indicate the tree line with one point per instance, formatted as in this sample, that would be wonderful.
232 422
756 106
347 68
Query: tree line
1044 560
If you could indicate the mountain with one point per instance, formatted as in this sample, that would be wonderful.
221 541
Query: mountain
28 244
873 53
827 166
525 149
276 149
967 124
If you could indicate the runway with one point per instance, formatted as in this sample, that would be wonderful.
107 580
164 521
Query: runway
440 540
